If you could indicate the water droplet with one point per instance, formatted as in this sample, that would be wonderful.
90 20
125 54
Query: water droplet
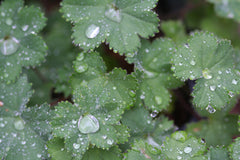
210 109
80 57
212 88
192 62
114 87
2 125
150 74
81 67
74 122
113 14
132 93
231 94
19 124
234 81
9 21
206 74
104 136
9 46
158 100
186 45
110 141
23 142
76 145
154 114
24 28
39 155
180 136
92 31
187 149
88 124
179 157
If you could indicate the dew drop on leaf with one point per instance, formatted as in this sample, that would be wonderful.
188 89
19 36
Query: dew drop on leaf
24 28
39 155
210 109
81 67
113 14
110 141
158 100
187 149
76 145
9 21
180 136
92 31
231 94
9 45
154 114
192 62
80 57
132 93
19 124
206 74
150 74
88 124
179 157
234 81
104 136
212 88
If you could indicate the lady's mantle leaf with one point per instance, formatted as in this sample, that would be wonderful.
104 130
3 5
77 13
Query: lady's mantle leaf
210 61
227 8
19 44
182 146
155 76
234 149
118 22
80 127
22 136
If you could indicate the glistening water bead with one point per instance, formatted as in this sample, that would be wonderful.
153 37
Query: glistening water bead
88 124
9 46
92 31
19 124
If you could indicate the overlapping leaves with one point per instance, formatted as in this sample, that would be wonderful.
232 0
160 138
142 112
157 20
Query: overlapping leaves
19 44
209 60
153 71
118 22
23 130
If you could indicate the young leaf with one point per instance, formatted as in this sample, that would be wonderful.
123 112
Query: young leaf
19 44
23 134
155 76
210 61
182 146
227 8
118 22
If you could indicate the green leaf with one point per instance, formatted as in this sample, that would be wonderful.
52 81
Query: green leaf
182 146
80 127
143 151
57 151
19 44
218 153
209 60
153 71
216 130
118 22
234 149
227 8
23 133
99 154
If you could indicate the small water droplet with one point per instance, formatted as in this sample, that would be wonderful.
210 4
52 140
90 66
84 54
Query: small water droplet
210 109
110 141
74 122
234 81
187 149
88 124
2 125
39 155
186 45
179 157
9 46
231 94
76 145
24 28
9 21
92 31
192 62
154 114
132 93
114 87
80 57
113 14
158 100
179 136
206 74
104 136
212 88
19 124
80 68
23 142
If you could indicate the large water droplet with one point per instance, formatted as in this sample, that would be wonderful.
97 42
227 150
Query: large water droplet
234 81
81 67
210 109
212 88
80 57
19 124
76 145
187 149
132 93
9 46
113 14
9 21
110 141
88 124
158 100
206 74
92 31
